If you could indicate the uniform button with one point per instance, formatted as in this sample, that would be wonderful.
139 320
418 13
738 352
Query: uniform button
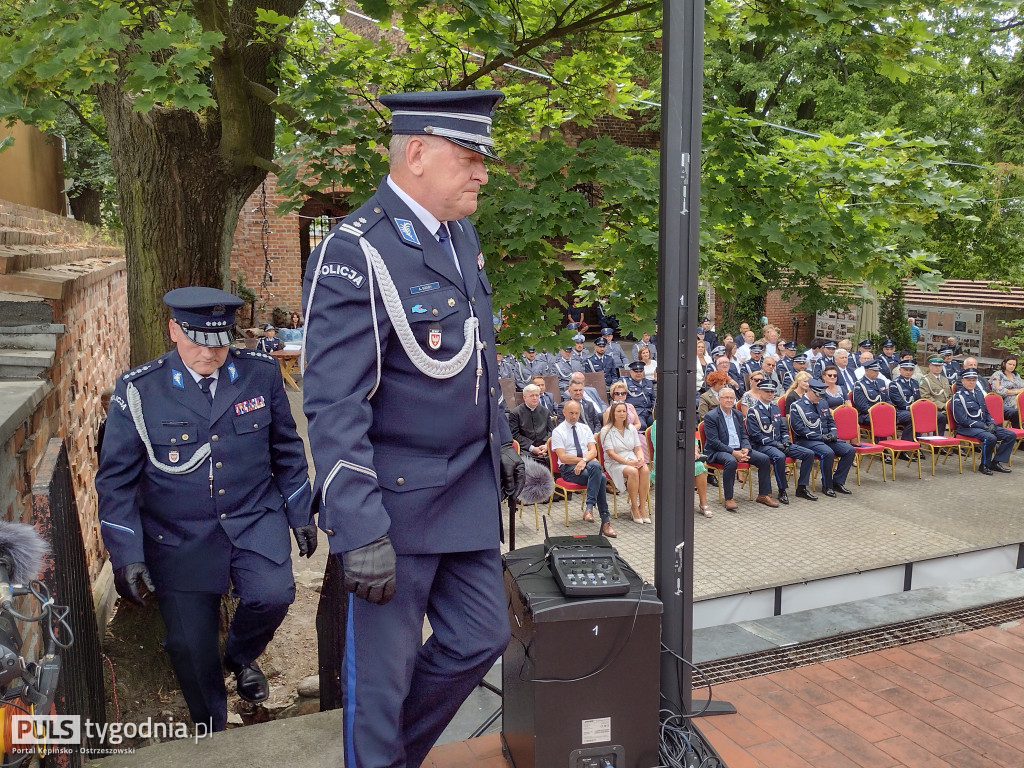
472 301
492 391
219 464
214 438
221 492
492 437
160 537
485 345
223 516
255 426
173 440
376 209
329 531
400 481
434 311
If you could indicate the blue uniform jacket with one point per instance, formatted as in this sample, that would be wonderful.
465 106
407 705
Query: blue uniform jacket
716 431
395 450
811 421
903 392
766 425
868 392
254 486
605 364
969 409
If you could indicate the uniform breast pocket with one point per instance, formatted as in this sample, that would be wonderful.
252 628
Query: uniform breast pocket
433 306
254 421
403 472
484 282
174 442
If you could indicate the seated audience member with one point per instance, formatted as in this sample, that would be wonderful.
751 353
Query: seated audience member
640 393
701 363
865 346
936 387
743 350
828 349
645 341
771 336
295 320
724 365
750 396
613 349
814 428
574 316
753 362
797 389
865 358
269 342
906 354
618 392
575 448
590 394
650 366
769 366
591 415
950 367
787 351
797 364
580 353
888 356
1007 383
953 344
769 434
506 366
709 400
710 337
624 460
870 390
846 345
531 424
834 395
529 366
973 420
903 391
726 339
565 366
846 378
726 443
817 345
604 363
546 398
972 363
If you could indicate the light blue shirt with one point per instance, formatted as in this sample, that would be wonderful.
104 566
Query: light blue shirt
730 424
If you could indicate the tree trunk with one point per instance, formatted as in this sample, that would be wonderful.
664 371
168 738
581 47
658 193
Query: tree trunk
85 206
180 202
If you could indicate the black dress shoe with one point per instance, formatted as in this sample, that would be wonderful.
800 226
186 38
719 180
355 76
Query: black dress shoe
830 493
1000 467
783 497
712 480
803 492
887 458
985 470
250 682
843 489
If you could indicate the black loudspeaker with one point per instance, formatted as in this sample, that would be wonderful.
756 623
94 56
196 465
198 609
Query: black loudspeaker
580 678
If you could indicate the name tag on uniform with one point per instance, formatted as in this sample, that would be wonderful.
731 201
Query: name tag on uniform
247 406
417 289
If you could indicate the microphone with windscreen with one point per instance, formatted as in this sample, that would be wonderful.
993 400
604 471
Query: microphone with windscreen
22 551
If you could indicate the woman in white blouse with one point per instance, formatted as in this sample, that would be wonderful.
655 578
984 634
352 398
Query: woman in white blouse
650 366
624 460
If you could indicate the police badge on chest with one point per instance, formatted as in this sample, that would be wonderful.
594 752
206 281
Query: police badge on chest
434 336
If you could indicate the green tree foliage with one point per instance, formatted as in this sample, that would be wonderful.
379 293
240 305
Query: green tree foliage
892 318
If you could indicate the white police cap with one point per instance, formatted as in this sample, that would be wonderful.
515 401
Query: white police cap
462 117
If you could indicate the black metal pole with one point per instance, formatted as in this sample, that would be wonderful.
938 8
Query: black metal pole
679 237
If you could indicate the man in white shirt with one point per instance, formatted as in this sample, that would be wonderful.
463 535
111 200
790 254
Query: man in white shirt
576 449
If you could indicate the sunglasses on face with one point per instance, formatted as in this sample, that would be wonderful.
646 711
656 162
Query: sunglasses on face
616 394
830 375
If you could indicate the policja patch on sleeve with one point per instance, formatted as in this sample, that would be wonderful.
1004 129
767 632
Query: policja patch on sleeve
353 275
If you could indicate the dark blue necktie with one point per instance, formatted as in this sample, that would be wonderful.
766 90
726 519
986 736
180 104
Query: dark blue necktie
204 385
576 440
445 240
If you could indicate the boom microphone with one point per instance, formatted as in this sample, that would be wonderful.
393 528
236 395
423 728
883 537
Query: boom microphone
22 550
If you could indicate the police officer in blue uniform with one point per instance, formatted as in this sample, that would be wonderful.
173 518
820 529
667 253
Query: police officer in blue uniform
640 393
769 434
604 363
579 352
202 474
973 420
753 363
815 429
565 366
888 356
950 367
613 349
269 342
506 366
828 353
903 391
871 390
413 456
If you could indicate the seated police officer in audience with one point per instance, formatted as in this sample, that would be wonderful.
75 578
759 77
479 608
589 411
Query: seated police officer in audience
918 374
936 387
269 342
950 367
903 391
888 356
506 366
645 341
591 415
530 423
973 420
565 366
726 443
202 474
640 393
828 351
533 364
710 337
769 434
613 349
575 447
797 363
580 353
753 362
814 428
604 363
972 363
871 390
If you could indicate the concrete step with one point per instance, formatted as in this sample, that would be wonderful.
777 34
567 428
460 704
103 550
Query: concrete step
39 337
24 363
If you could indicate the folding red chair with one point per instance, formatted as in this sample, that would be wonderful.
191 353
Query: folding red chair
994 403
848 429
882 422
965 440
711 465
562 485
924 418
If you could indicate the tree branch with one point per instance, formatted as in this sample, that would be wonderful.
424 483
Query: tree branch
82 118
268 97
271 167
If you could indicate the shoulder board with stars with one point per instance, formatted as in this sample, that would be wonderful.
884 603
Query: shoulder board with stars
361 221
142 370
255 355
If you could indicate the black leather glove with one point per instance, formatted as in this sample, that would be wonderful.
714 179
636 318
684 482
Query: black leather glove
513 472
126 582
305 537
784 446
990 428
369 572
828 437
702 457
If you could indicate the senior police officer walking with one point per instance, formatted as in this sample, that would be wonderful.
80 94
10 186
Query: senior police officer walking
202 473
410 447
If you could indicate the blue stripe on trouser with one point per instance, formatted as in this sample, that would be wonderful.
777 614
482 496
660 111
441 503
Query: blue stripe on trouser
350 685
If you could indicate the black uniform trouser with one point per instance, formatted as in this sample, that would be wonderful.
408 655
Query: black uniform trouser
755 458
827 453
778 460
192 620
990 451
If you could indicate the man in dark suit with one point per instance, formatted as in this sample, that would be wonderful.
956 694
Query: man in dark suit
530 423
726 443
201 475
413 456
588 411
